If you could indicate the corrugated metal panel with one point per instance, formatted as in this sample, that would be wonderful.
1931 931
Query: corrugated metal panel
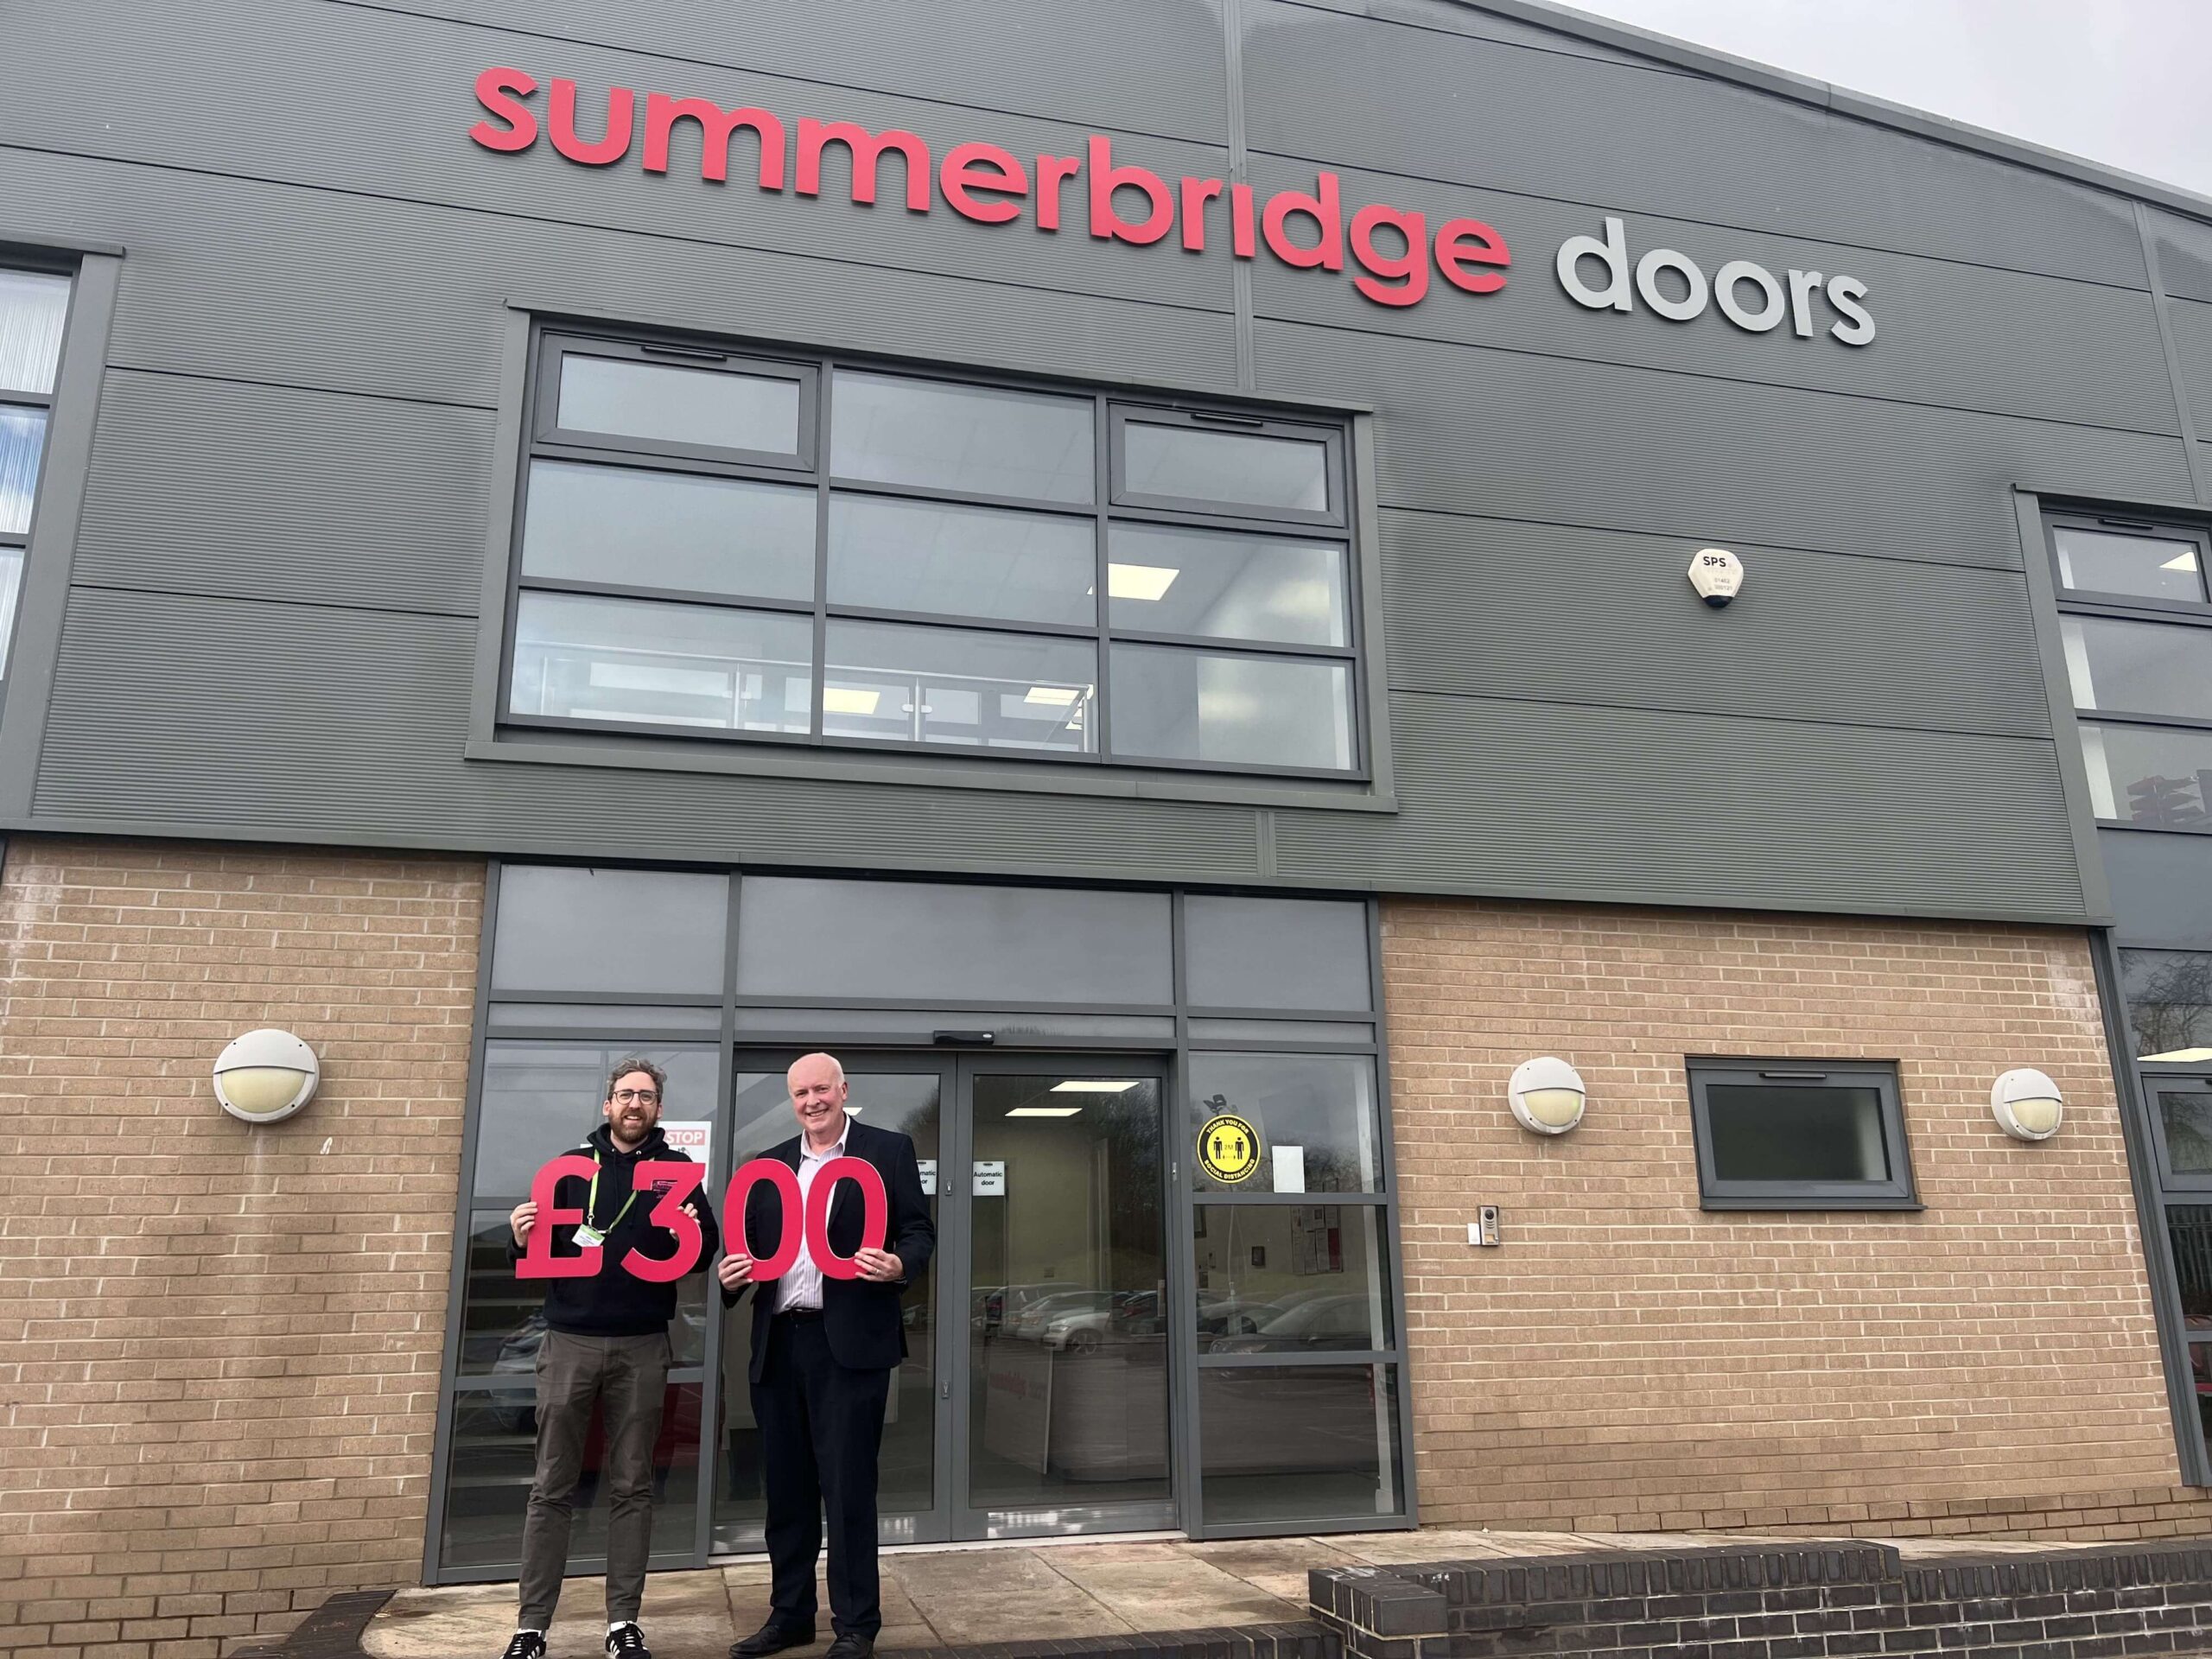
1432 105
1515 436
2192 323
1631 806
1492 609
281 283
2184 251
2161 887
341 726
210 487
399 127
1961 335
1142 66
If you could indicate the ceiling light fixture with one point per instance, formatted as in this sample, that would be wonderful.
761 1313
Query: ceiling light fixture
1060 695
1043 1111
1145 582
845 700
1095 1086
2184 561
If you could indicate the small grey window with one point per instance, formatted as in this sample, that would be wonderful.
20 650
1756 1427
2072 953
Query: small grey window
2168 998
1794 1135
713 544
2138 563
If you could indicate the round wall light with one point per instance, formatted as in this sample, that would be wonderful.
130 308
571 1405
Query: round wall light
2027 1105
266 1076
1546 1096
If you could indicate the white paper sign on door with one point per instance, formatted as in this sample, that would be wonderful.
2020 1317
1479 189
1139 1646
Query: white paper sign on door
990 1179
696 1141
928 1183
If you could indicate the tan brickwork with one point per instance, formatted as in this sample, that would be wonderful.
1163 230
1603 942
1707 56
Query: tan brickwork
1627 1361
218 1343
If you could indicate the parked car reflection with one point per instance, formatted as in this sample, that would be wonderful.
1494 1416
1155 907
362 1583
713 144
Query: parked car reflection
1319 1323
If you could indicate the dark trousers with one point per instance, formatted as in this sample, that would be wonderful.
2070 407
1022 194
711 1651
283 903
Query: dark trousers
821 1428
627 1377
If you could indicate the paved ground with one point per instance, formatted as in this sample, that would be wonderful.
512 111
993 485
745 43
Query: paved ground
938 1597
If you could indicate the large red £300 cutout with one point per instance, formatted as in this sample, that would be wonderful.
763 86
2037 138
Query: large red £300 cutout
679 1178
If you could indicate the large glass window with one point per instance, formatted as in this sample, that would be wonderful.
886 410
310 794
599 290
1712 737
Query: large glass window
1781 1134
33 305
1047 574
2168 998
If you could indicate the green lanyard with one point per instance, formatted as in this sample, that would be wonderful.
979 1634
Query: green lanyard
591 1202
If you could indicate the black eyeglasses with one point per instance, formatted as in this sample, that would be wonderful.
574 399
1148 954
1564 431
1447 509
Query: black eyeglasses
624 1096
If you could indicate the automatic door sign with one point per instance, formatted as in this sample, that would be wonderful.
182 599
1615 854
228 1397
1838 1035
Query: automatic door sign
1229 1148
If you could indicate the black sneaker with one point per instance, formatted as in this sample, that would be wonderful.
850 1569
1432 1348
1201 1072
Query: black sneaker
629 1642
527 1644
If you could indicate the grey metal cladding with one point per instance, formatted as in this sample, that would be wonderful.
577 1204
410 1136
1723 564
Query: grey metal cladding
1435 105
2192 323
345 726
1489 607
2183 247
400 130
1959 335
1453 18
2161 887
377 502
1632 805
1465 430
283 282
1140 65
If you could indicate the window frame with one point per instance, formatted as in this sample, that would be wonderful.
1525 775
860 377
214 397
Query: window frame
505 733
1224 423
1897 1192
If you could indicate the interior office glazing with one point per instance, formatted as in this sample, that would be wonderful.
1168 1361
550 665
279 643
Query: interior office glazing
1110 1340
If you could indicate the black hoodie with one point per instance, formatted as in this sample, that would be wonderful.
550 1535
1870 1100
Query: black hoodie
612 1302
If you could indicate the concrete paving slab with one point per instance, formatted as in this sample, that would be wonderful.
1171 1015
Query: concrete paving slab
686 1616
1159 1587
1275 1567
1002 1595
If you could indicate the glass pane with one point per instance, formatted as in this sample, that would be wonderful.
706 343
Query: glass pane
603 1016
1290 1279
11 581
2168 997
984 441
702 407
2189 1226
1236 468
642 661
911 1104
1281 1030
1314 1115
541 1100
34 304
1232 586
2200 1372
566 928
1797 1132
1067 1344
494 1456
1276 953
2159 778
669 530
2139 668
23 436
2106 561
2185 1115
953 942
918 556
961 687
816 1025
1299 1443
1256 711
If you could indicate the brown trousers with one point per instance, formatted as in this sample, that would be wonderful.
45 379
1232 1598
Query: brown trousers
627 1377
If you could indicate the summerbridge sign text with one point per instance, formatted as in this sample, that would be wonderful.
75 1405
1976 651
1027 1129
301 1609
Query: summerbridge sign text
1391 256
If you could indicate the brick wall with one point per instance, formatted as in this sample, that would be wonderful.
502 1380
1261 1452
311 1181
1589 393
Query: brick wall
219 1343
1626 1361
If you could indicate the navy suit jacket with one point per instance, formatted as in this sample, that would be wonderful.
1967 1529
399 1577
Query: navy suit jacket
860 1317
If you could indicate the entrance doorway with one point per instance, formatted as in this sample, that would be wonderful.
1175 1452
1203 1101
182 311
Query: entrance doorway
1035 1398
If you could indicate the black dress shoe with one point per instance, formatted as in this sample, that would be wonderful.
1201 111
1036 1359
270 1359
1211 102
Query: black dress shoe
771 1637
851 1646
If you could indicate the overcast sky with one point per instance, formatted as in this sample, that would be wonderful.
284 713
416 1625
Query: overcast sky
2120 81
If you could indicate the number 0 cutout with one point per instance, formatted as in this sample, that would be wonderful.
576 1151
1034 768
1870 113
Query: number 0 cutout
784 1180
875 1214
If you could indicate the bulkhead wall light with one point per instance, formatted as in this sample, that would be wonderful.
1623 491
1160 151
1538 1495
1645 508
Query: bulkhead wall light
2027 1105
266 1076
1546 1096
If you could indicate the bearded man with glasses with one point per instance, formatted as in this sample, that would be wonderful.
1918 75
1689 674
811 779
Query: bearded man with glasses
606 1345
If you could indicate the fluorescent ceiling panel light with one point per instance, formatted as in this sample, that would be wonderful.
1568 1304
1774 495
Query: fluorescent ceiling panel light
843 700
2182 562
1061 696
2183 1056
1139 580
1094 1085
1043 1111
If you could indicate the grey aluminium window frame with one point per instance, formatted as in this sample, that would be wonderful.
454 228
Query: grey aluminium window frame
496 734
1897 1192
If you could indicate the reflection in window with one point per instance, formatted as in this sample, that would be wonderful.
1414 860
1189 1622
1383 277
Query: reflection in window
1290 1279
2139 668
1298 1443
1277 953
1773 1132
976 440
1234 469
644 662
1233 710
576 928
2168 998
1315 1114
2185 1120
625 526
22 439
892 554
655 402
2153 777
2189 1228
2145 567
33 305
